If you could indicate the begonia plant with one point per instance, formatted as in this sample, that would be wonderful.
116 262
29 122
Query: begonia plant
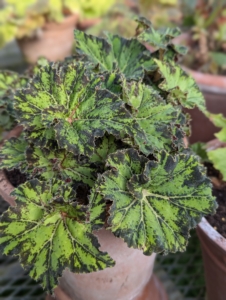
103 147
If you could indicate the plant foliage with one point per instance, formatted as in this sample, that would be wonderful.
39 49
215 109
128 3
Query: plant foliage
102 147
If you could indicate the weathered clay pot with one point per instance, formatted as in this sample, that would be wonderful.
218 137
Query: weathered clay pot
87 23
213 88
54 42
213 247
130 279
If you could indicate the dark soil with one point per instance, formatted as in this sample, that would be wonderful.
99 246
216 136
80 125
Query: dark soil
15 177
218 221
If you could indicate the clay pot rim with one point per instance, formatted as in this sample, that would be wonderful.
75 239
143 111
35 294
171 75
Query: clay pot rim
214 236
68 21
206 81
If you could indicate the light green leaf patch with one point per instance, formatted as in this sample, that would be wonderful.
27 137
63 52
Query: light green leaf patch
128 56
58 164
180 86
47 230
13 154
155 203
155 119
72 103
218 157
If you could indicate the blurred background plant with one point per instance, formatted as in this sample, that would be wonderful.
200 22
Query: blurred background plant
205 20
25 18
120 18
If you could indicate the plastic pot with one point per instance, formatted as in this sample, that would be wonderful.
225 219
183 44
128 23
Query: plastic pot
213 247
54 42
130 279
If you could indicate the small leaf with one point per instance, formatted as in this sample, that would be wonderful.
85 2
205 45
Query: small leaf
181 86
49 233
128 56
58 164
155 203
66 99
104 147
13 154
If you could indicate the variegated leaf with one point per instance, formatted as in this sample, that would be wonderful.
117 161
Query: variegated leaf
13 154
160 38
67 100
59 164
47 230
157 125
128 56
155 203
181 87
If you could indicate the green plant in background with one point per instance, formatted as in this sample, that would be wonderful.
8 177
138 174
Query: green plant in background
206 19
25 18
120 18
103 147
162 13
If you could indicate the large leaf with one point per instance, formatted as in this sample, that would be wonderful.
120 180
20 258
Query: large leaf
59 164
155 203
49 233
13 154
128 56
155 119
64 98
181 87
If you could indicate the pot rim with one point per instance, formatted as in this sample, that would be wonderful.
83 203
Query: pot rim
212 234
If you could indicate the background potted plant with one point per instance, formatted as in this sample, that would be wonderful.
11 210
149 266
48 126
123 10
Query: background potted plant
212 229
44 28
103 154
205 24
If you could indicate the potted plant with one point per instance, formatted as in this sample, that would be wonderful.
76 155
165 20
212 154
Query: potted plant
212 229
44 28
103 154
205 24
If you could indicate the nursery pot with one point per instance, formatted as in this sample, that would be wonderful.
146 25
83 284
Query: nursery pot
130 279
213 247
213 88
54 42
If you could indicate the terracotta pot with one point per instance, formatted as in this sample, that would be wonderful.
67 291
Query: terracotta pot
213 88
213 247
87 23
130 279
54 42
